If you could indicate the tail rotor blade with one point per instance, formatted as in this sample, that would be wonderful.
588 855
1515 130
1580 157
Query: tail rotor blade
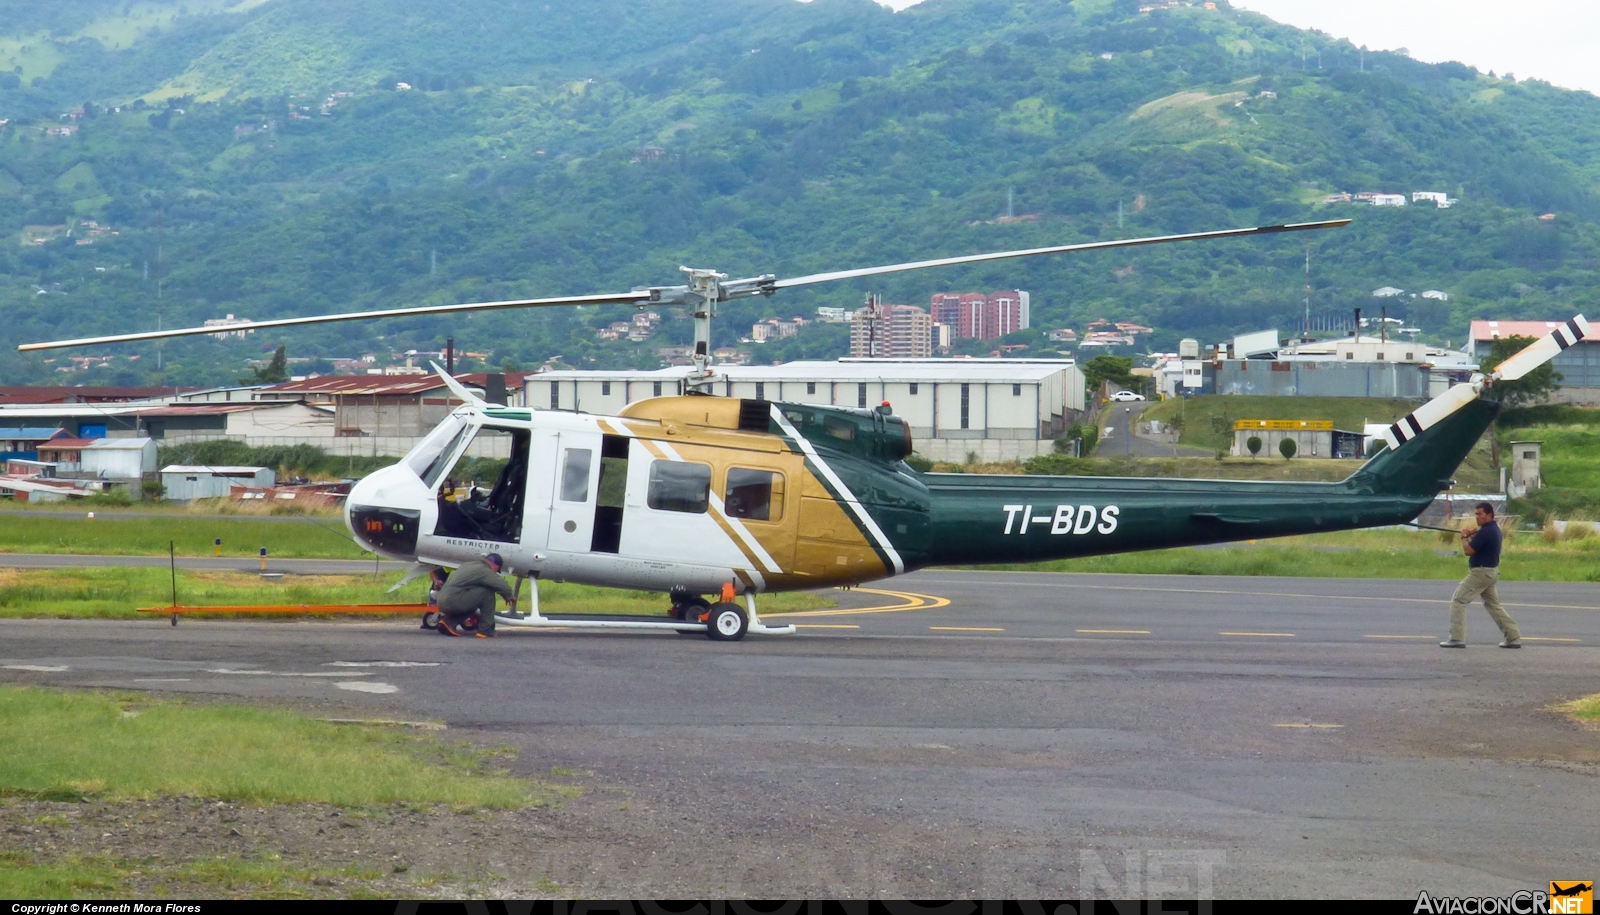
1432 412
1544 350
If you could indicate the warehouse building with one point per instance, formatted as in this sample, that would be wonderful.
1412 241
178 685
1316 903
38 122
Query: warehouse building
998 409
187 482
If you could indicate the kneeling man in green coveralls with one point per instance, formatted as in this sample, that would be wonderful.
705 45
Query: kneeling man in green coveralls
470 590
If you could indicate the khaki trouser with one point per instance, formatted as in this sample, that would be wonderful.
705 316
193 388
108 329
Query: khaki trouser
1480 581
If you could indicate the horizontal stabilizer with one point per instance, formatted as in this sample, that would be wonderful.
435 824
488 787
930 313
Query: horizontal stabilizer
1544 350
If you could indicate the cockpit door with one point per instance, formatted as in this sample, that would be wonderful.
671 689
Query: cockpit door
577 479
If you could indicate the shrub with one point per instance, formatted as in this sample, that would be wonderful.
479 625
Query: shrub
1287 448
1254 444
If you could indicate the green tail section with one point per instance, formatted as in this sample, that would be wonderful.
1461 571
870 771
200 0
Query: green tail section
1424 465
985 519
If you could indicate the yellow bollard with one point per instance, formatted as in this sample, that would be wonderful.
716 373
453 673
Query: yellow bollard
219 546
263 559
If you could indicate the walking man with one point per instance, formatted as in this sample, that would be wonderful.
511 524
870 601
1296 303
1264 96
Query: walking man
471 589
1482 546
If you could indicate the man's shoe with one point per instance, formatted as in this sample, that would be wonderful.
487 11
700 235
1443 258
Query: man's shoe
1452 643
446 629
512 614
1511 643
485 635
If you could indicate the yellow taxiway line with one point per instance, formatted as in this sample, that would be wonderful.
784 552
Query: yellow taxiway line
911 602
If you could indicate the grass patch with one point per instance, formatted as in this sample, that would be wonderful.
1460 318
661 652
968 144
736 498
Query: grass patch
24 877
1347 554
70 745
128 534
1584 711
116 593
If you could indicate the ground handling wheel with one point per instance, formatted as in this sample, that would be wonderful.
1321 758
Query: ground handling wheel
727 623
687 607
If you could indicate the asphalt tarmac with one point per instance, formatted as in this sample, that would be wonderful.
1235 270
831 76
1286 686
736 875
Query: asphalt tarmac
1007 734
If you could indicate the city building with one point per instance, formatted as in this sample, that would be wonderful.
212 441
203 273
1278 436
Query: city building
890 331
980 316
229 321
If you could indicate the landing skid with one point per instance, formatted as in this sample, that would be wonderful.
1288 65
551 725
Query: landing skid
535 620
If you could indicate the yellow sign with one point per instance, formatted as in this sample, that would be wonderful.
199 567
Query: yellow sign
1571 897
1321 425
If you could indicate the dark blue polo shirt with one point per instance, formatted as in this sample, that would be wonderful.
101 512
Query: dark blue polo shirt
1485 548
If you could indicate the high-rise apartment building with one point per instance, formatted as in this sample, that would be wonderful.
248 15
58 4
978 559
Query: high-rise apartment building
891 331
977 316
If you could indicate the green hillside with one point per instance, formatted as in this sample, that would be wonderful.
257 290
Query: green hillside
594 145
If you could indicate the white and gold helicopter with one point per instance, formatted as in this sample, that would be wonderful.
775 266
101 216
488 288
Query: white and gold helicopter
697 494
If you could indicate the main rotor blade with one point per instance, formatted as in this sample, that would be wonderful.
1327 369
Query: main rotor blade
1058 249
603 299
1543 350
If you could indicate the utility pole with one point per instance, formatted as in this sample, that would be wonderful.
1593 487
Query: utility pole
1307 334
160 217
1119 214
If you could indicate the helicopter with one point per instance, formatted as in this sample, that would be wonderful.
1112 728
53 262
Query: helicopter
696 494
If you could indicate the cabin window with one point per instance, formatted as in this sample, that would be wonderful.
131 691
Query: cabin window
605 388
761 390
1380 357
754 494
679 486
575 475
1411 357
555 395
811 387
966 399
657 389
861 394
429 458
1016 390
841 429
913 389
484 491
1349 355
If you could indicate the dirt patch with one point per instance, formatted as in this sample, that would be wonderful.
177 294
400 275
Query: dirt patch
212 848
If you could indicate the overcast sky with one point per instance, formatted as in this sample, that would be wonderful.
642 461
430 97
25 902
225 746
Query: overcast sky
1553 40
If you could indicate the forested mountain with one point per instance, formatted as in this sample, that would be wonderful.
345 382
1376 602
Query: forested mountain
268 151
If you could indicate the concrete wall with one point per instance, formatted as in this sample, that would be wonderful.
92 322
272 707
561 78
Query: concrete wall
987 449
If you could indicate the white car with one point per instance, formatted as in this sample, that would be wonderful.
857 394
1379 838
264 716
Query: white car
1124 396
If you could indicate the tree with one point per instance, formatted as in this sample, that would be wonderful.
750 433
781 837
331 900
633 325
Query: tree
1287 447
276 371
1534 386
1103 368
1254 444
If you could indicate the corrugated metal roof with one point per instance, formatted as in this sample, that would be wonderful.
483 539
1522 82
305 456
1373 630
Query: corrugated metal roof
118 444
26 432
383 384
216 469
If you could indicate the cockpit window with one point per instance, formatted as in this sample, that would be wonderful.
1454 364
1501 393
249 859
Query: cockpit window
427 460
483 493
